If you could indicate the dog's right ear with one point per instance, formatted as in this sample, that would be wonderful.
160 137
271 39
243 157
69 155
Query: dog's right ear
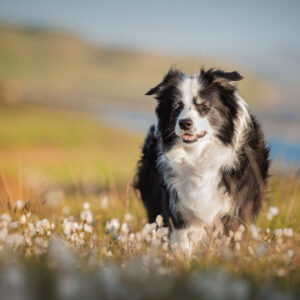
154 90
169 78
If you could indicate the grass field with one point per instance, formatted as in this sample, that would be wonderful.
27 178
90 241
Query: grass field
51 67
72 227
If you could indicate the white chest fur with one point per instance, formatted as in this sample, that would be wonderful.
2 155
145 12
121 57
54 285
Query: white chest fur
195 175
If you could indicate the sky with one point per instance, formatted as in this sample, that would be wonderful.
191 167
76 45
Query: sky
261 34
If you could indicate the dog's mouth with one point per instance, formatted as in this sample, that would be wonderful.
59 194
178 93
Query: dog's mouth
192 138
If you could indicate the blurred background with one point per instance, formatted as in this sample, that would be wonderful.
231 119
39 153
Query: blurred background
73 76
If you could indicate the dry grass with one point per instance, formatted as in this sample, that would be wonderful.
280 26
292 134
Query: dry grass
60 239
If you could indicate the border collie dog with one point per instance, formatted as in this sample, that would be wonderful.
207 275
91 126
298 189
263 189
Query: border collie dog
205 163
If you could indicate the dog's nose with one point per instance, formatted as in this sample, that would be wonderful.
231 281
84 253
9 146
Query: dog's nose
185 124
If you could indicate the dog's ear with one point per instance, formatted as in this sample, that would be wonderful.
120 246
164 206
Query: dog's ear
172 76
225 79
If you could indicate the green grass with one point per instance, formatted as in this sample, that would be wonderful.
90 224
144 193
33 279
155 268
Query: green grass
64 147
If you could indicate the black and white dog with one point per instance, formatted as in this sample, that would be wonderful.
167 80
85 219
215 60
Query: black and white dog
205 163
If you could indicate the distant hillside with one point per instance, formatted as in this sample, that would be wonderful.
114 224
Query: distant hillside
43 65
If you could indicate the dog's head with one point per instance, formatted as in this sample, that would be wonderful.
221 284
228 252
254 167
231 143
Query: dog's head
192 109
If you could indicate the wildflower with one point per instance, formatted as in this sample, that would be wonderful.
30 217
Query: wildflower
19 204
3 234
278 232
288 232
14 240
113 225
162 232
23 219
125 228
86 205
14 225
104 202
290 253
242 228
254 231
261 250
88 228
5 218
87 216
40 246
128 217
272 212
159 221
238 235
66 210
67 227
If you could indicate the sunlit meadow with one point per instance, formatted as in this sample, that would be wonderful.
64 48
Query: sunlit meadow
72 227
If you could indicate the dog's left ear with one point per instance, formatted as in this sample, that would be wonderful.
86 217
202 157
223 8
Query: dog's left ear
225 79
170 77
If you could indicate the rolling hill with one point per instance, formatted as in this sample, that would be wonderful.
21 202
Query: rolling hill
46 66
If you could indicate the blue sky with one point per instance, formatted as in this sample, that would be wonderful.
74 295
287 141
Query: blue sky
260 34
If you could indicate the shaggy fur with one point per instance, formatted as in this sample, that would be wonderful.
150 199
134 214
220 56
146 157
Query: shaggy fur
205 163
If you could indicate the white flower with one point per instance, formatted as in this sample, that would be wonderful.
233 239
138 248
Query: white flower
113 225
238 235
67 227
23 219
88 228
66 210
125 228
128 217
86 205
242 228
3 234
40 246
290 253
278 232
261 250
14 225
254 231
5 218
87 216
288 232
19 204
272 212
104 202
14 240
159 221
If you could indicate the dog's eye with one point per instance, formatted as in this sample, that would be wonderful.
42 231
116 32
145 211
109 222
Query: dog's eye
203 107
178 105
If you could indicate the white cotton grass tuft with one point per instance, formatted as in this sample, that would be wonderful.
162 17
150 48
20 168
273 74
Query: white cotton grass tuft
112 225
254 230
104 201
19 204
272 212
150 246
289 232
159 221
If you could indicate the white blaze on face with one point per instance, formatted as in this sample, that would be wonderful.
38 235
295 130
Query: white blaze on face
190 90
